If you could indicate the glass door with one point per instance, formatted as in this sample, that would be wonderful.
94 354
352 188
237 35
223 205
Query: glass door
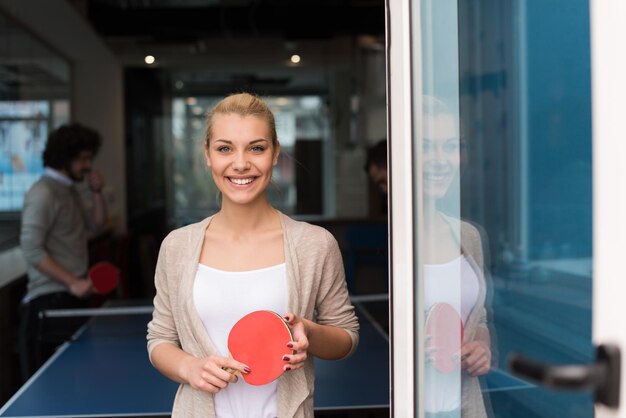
495 181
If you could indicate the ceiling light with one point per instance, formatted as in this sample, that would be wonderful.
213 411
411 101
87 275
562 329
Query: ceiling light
295 58
149 59
192 101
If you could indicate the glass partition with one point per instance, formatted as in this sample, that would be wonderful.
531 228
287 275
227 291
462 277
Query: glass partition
34 98
504 144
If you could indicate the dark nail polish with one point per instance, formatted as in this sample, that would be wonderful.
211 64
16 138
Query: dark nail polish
290 345
285 358
287 368
286 318
246 369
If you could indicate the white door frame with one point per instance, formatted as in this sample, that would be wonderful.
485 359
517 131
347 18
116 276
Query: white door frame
401 65
608 90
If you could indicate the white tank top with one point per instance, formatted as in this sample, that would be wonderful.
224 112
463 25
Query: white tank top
221 299
455 283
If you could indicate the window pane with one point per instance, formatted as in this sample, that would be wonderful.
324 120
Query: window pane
34 96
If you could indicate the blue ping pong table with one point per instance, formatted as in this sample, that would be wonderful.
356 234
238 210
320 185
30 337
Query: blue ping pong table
105 372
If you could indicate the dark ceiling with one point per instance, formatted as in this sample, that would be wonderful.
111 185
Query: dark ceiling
193 20
213 43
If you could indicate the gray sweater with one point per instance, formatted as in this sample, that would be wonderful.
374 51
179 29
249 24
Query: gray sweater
54 223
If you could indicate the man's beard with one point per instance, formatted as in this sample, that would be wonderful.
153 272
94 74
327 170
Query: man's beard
72 176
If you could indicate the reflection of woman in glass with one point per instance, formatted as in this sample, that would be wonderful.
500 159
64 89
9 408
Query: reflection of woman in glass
454 284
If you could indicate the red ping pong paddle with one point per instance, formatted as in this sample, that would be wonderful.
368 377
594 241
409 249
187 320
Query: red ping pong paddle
445 329
259 340
104 276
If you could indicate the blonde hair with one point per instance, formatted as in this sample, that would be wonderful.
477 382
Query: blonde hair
433 106
242 104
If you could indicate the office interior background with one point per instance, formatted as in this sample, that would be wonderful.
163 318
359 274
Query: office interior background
84 61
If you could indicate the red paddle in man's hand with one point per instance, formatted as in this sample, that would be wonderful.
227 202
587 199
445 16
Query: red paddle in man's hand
444 333
260 340
104 276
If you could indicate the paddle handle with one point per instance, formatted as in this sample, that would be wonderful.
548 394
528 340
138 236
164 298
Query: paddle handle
233 371
230 369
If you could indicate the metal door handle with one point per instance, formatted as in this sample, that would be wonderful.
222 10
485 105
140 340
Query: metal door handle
602 376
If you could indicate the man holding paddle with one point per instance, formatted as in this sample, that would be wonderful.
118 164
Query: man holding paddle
54 234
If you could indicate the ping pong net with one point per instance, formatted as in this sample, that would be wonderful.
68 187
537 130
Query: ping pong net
112 320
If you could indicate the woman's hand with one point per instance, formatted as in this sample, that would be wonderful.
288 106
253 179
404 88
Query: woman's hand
300 343
476 358
210 374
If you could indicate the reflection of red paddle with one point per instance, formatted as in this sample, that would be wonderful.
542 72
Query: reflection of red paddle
104 276
260 340
445 329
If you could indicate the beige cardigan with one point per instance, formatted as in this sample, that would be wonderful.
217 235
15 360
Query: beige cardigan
316 291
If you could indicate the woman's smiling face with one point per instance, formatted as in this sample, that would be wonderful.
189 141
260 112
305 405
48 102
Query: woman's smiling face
441 154
241 156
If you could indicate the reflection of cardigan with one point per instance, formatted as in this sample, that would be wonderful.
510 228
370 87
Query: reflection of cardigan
472 403
316 290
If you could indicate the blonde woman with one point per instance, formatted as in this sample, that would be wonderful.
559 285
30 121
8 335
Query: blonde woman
246 257
454 275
